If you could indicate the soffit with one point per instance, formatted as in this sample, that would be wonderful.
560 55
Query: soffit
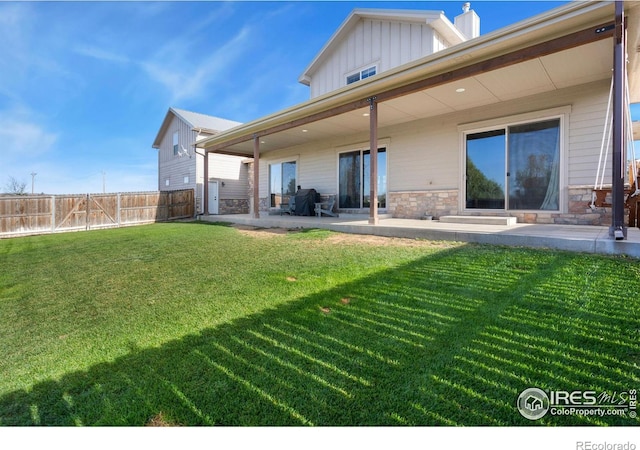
564 69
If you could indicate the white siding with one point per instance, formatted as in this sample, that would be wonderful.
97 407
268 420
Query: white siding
426 154
386 44
233 172
585 135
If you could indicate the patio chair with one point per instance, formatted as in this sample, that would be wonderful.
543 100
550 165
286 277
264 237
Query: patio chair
288 208
326 207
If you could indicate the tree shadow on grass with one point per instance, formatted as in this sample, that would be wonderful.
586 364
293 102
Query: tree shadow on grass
450 339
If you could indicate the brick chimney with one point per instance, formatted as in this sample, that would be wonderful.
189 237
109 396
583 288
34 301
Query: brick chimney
468 23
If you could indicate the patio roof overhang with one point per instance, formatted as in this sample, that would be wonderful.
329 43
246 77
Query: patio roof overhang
545 53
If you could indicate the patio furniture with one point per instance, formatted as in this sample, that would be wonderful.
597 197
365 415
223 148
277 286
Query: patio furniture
288 208
326 207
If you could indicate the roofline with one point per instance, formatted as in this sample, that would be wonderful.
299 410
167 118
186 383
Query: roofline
436 19
165 124
538 29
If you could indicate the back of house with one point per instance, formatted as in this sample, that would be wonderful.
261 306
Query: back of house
511 123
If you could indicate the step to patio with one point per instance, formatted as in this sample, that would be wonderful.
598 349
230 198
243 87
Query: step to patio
480 220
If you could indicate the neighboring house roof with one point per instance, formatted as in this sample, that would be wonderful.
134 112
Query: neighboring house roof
518 54
198 122
436 19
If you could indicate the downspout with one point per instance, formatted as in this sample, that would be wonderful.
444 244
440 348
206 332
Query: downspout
205 188
617 230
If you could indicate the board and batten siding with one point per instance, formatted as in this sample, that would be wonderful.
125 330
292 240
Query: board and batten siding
172 167
426 154
382 43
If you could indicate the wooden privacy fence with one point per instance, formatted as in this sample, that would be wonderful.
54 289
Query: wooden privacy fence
57 213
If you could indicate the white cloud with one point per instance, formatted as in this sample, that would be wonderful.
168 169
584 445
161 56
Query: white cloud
101 54
189 79
23 139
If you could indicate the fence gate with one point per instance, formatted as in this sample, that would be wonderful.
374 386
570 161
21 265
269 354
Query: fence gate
70 212
102 210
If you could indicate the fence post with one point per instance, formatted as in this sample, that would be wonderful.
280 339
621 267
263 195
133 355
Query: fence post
87 214
119 225
53 213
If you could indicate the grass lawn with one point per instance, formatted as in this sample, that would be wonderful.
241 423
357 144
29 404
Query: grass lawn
199 324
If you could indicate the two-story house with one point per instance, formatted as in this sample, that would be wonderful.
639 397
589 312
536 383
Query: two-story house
181 166
450 122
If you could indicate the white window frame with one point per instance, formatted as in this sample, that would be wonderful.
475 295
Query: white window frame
279 161
360 72
562 113
176 142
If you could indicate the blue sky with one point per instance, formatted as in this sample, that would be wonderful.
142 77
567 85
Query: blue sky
84 86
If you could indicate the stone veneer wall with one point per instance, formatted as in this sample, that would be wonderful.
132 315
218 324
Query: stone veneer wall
233 206
415 204
579 211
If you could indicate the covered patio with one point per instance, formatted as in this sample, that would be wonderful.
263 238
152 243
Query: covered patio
501 69
578 238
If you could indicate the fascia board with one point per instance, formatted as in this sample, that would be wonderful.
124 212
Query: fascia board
448 30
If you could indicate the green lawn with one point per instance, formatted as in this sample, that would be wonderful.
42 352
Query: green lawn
197 324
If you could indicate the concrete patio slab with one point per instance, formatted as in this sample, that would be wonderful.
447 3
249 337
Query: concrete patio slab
578 238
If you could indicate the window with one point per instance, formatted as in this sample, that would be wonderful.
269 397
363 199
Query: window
515 167
282 182
176 143
354 179
361 75
166 182
186 179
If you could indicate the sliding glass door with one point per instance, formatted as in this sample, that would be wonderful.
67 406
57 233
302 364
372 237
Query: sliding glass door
354 179
350 193
282 182
534 166
516 167
486 160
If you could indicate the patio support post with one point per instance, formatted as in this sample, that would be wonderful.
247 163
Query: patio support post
205 188
256 177
618 230
373 160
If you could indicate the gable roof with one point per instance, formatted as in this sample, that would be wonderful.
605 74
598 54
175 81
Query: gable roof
197 122
436 19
